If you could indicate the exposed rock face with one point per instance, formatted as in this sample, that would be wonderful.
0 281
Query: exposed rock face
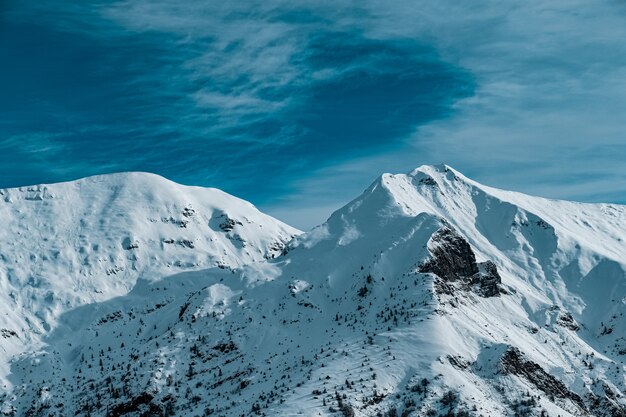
229 224
514 362
430 181
566 320
452 259
606 404
488 279
194 321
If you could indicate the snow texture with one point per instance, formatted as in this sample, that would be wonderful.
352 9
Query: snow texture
429 294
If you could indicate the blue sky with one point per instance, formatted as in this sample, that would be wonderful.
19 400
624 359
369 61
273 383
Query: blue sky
297 107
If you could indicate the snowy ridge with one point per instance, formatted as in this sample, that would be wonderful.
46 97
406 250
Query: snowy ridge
68 244
429 294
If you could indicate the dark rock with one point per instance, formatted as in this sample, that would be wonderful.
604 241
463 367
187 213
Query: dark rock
189 212
452 257
181 223
453 260
487 280
276 249
458 362
229 224
607 404
187 243
566 320
513 362
7 333
428 181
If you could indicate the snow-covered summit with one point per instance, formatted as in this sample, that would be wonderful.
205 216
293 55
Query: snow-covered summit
67 244
558 265
486 214
430 294
558 247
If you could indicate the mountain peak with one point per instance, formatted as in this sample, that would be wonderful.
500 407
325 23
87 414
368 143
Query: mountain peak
78 242
440 171
445 193
114 178
429 294
431 168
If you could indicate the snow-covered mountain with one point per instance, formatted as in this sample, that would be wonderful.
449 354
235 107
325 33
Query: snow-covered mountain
428 295
70 244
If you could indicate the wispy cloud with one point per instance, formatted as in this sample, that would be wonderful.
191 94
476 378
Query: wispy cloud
215 93
547 114
304 104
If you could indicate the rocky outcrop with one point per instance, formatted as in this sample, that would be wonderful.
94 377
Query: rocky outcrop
226 223
514 362
606 404
453 260
566 320
487 281
452 257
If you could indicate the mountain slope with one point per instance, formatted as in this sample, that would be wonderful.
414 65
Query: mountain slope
429 294
69 244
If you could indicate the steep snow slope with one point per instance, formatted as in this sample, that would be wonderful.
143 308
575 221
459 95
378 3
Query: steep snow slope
429 294
69 244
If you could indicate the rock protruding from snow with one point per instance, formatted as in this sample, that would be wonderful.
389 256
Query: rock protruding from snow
452 259
514 362
566 320
342 322
487 279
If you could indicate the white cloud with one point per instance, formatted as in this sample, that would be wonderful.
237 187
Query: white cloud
548 113
550 84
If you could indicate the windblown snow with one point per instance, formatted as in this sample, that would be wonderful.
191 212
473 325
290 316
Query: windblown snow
428 295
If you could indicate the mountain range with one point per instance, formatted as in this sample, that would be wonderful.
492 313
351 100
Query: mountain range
428 295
